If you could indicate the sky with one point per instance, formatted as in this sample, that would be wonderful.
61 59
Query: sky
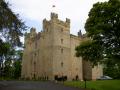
32 12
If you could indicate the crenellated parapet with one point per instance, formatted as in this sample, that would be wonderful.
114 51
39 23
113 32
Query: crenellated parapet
54 19
47 27
54 16
33 36
33 32
30 37
67 21
46 24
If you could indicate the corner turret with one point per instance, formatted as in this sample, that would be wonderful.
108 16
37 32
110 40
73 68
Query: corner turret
67 22
32 32
80 34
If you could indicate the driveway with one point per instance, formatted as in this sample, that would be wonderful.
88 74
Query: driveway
33 85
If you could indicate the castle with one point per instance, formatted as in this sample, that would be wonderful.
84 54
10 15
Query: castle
51 52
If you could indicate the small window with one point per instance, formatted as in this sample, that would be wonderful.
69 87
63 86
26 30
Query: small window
61 29
36 45
61 41
62 50
34 63
61 64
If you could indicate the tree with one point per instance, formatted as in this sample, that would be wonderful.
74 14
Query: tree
17 64
90 51
12 65
8 69
11 27
112 70
4 48
103 29
17 69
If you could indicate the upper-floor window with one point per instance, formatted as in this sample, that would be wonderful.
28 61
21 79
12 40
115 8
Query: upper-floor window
62 50
61 29
61 64
61 41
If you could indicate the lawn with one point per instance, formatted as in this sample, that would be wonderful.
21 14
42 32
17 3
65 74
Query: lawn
96 85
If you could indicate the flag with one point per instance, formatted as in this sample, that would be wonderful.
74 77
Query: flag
53 6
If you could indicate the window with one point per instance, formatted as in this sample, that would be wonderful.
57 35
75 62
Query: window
61 29
62 50
61 41
34 63
61 64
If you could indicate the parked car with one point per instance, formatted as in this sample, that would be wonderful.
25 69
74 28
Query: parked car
104 78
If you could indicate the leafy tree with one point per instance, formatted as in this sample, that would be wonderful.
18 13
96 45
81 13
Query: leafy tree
11 28
12 65
4 48
8 70
17 69
17 64
90 50
112 70
19 54
103 29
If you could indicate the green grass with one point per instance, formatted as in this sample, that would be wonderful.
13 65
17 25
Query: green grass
96 85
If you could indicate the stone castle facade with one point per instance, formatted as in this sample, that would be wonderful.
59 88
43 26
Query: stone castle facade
51 52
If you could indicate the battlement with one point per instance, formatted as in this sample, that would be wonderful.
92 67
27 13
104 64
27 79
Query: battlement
55 19
32 30
64 23
54 16
31 35
67 20
45 23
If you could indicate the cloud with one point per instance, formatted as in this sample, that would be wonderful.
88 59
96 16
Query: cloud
37 10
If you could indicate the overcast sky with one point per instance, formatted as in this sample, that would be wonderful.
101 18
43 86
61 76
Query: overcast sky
34 11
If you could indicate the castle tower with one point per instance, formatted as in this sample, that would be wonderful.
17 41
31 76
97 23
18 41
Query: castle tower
59 32
61 44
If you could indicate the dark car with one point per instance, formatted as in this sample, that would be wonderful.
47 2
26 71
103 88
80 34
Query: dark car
104 78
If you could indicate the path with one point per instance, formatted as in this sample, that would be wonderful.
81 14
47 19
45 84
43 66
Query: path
33 85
